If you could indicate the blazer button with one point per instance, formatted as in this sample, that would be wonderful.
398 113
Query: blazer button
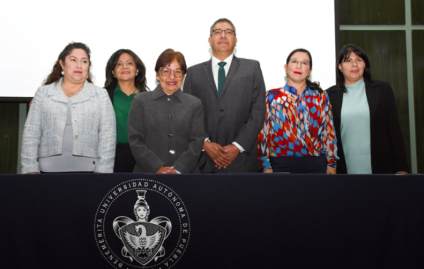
76 136
222 110
75 121
172 151
169 116
170 134
73 106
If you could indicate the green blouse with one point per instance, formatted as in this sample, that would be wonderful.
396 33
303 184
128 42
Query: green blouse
122 106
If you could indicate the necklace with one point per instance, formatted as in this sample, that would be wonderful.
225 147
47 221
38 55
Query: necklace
67 93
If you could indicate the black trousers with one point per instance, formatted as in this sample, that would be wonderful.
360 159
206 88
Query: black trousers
300 165
124 161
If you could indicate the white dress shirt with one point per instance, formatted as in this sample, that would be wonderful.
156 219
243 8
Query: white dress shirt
215 67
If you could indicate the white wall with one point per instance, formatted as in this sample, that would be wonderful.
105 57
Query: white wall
33 33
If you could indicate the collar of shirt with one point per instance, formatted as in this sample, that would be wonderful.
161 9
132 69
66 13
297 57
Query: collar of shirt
215 67
293 90
118 90
158 92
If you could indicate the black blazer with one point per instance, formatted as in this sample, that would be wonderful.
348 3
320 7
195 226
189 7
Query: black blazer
110 90
387 147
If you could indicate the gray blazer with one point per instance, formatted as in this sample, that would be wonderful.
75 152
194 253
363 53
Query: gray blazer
166 131
93 124
238 115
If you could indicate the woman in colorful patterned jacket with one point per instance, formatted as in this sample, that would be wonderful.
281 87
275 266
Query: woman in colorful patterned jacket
298 133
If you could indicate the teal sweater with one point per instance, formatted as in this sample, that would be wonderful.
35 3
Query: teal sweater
355 129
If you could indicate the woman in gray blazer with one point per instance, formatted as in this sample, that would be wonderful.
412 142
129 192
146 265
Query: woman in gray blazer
165 126
71 123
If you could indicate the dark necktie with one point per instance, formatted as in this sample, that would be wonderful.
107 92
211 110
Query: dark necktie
221 77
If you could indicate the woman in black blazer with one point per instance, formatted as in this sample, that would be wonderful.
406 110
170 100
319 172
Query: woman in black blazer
369 138
125 77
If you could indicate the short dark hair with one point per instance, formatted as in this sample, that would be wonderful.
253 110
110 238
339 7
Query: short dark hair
140 79
168 56
223 20
312 85
56 73
343 55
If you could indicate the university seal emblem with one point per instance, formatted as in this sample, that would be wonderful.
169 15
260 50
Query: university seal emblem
142 246
127 237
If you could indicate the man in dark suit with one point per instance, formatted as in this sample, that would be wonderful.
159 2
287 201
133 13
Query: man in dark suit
232 91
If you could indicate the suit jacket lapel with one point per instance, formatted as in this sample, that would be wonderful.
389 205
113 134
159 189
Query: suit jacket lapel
86 92
233 70
373 95
336 101
207 68
57 93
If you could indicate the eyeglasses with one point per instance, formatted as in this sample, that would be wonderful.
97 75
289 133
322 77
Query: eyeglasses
296 62
228 32
166 72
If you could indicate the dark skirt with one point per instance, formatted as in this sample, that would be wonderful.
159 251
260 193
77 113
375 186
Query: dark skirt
300 165
124 161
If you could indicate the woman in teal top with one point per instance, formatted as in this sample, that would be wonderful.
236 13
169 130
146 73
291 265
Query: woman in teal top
125 77
369 138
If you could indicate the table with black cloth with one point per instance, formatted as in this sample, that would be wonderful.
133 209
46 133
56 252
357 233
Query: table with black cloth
235 221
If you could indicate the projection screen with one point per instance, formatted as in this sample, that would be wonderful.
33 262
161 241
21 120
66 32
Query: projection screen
33 33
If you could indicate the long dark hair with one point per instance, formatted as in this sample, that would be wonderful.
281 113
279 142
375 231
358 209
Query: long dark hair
140 80
56 73
343 55
311 85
